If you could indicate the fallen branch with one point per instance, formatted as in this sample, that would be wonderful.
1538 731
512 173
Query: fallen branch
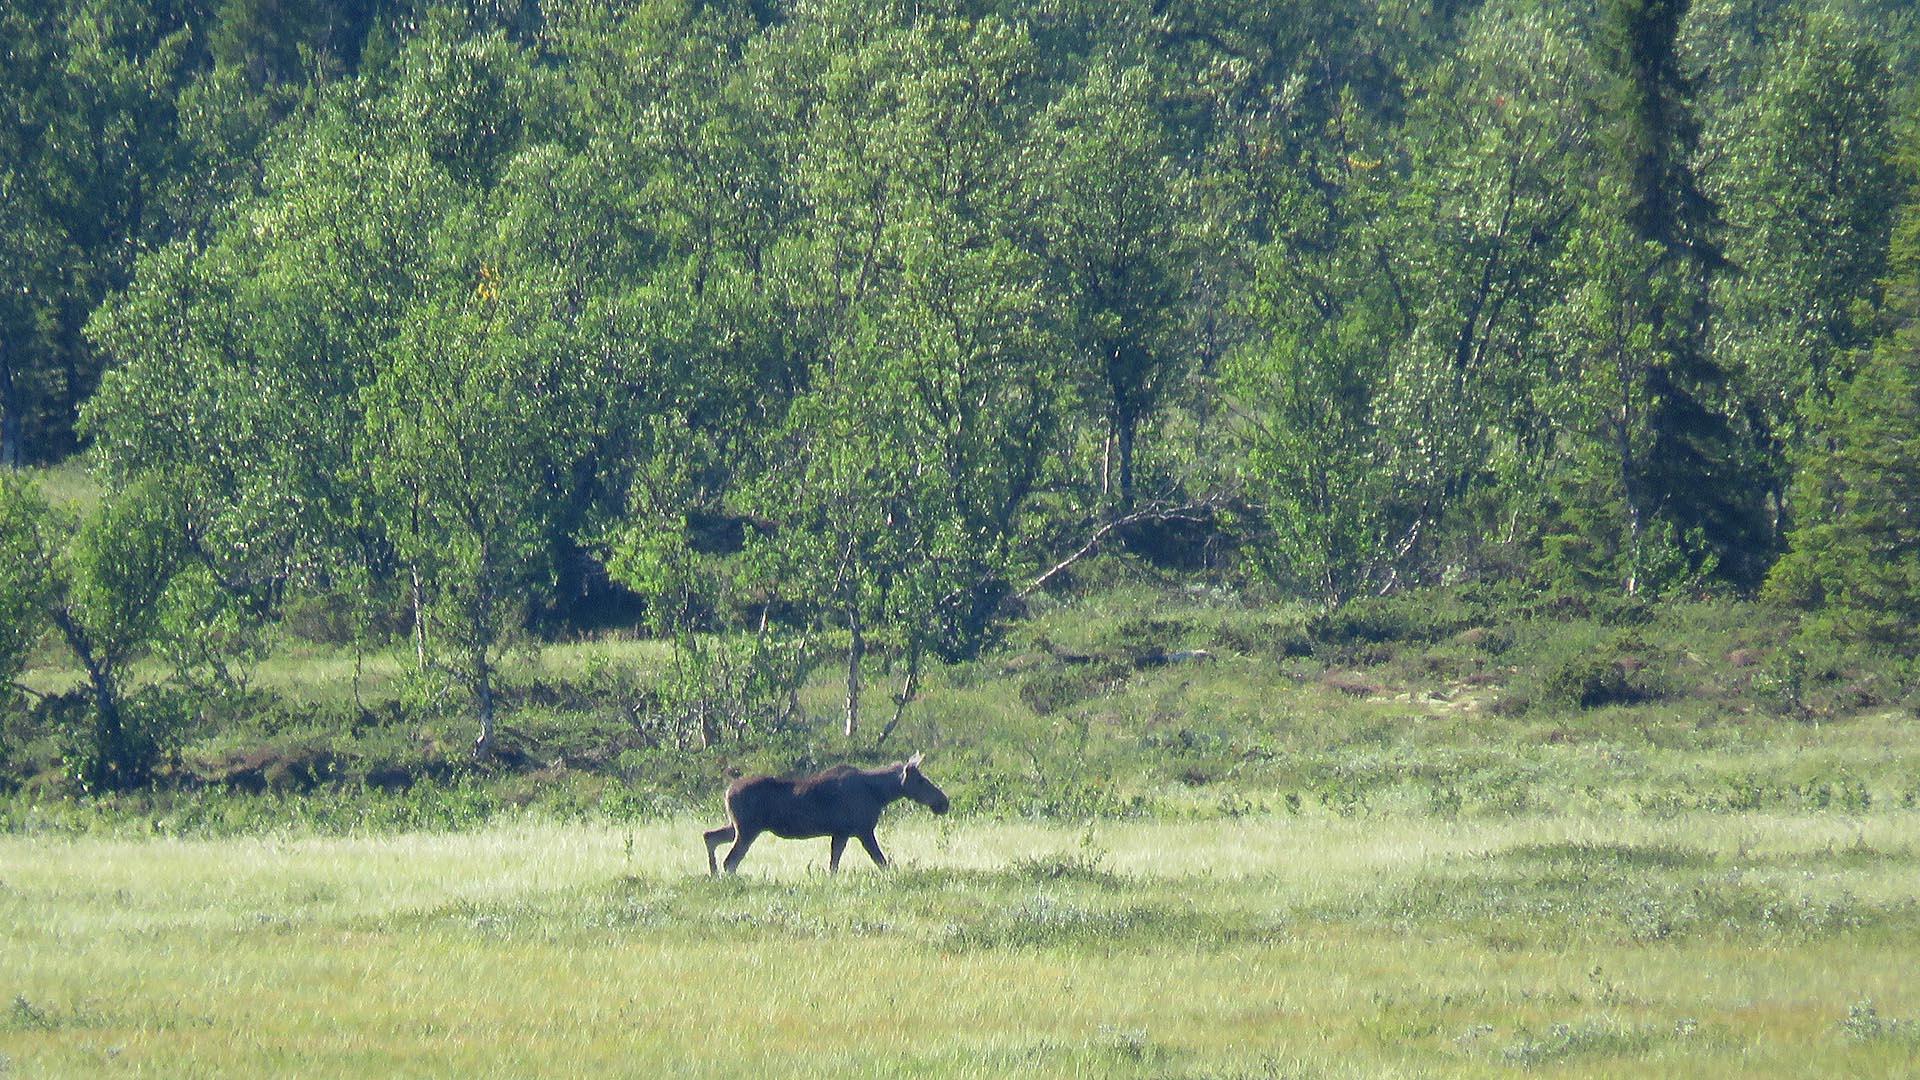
25 689
1188 511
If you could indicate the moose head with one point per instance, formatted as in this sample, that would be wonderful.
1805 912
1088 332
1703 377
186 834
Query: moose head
915 785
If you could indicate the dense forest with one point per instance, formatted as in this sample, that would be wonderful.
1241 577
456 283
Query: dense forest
829 331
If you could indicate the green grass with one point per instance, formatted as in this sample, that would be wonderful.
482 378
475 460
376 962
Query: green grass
1422 837
303 673
1574 945
68 484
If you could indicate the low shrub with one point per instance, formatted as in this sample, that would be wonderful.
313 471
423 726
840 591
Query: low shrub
1280 637
1423 616
1055 689
1589 681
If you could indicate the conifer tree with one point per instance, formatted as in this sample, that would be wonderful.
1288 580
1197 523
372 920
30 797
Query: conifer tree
1855 550
1688 470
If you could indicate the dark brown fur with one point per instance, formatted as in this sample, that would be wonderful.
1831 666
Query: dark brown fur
841 803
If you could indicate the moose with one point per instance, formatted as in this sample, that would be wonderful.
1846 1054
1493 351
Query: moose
841 802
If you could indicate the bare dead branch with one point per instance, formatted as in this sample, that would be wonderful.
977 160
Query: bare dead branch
25 689
1195 510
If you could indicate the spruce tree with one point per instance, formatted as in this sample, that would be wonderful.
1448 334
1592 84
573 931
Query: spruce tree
1690 476
1855 549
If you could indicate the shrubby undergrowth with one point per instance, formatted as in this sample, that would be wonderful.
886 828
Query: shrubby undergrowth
1134 702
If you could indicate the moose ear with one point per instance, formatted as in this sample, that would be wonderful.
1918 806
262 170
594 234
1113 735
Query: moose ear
914 761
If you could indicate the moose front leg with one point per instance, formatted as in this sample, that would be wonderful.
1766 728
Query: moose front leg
839 845
742 841
872 845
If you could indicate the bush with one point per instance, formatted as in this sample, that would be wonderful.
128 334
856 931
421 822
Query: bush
1146 635
1587 681
1279 637
1590 680
1055 689
153 725
322 619
1425 616
1368 621
1813 678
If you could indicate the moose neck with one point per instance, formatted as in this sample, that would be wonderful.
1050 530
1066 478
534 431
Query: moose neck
886 785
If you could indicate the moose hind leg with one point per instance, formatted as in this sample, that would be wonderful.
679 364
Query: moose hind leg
742 841
868 841
833 862
714 838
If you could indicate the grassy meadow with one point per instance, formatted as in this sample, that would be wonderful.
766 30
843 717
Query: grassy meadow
1195 835
1312 945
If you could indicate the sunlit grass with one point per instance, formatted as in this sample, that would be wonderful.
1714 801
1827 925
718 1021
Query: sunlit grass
308 673
68 485
1264 946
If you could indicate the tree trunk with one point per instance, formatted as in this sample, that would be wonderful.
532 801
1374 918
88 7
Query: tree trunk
856 649
1629 489
10 424
419 618
483 703
111 769
1126 426
70 399
419 594
909 689
481 626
